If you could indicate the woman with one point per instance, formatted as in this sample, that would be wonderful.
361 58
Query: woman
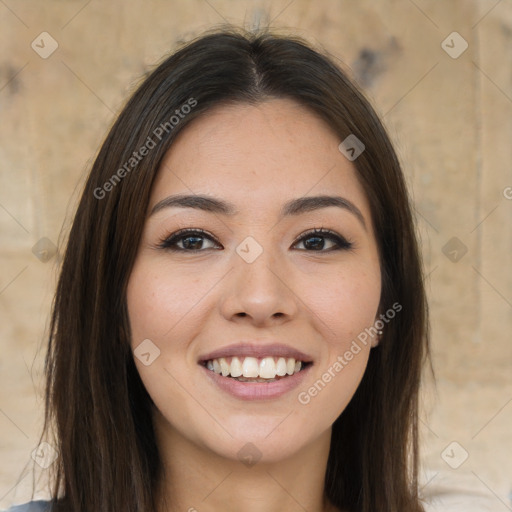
240 321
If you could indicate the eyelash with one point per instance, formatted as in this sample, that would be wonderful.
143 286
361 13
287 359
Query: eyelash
169 243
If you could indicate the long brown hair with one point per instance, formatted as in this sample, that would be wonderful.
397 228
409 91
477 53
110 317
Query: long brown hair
97 408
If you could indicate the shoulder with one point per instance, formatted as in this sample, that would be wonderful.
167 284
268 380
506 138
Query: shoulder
460 492
33 506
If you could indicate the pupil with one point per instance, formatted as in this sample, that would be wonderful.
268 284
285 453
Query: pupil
198 240
319 240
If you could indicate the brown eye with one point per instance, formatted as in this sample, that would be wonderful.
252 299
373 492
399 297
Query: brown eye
191 240
314 240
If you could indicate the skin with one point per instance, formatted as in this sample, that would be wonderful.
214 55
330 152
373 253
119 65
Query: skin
190 303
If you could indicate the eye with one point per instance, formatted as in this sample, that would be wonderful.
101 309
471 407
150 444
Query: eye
315 240
193 240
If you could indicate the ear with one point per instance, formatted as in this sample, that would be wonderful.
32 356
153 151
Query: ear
376 339
379 325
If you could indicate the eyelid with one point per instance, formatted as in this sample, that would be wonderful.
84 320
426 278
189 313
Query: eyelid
325 233
181 233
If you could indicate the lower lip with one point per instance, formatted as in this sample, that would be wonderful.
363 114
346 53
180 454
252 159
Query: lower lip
257 390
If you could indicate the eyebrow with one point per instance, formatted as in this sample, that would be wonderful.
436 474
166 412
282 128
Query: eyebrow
291 208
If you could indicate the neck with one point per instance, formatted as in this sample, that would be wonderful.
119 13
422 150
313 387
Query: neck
195 479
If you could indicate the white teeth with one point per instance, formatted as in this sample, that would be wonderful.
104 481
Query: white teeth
236 367
267 368
281 367
247 368
250 367
224 367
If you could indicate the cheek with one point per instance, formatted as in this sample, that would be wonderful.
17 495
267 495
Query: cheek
346 308
159 299
161 308
345 303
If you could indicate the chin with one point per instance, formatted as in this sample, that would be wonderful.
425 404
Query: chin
266 439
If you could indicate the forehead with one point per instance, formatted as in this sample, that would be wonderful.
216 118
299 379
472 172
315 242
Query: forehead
258 155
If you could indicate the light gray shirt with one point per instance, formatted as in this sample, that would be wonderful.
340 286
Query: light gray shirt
33 506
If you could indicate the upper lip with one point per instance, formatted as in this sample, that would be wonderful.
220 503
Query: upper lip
251 349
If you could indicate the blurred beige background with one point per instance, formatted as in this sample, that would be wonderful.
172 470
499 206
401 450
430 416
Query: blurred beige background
448 109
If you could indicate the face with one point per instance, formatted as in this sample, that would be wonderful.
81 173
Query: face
240 283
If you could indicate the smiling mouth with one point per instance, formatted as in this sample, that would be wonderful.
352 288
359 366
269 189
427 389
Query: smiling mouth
253 369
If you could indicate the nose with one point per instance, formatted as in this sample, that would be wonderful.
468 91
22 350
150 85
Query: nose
261 293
